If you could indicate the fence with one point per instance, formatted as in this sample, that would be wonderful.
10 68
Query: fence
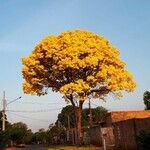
90 136
95 135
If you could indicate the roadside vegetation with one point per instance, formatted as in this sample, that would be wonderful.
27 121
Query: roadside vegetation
19 133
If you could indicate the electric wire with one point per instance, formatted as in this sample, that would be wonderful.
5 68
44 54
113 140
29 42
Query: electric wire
94 104
35 111
38 103
22 116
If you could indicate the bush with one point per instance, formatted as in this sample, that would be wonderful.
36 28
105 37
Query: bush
4 138
144 140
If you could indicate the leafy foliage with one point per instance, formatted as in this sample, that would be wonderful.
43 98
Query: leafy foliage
77 63
40 137
67 112
50 136
144 140
146 98
98 114
18 132
28 137
4 139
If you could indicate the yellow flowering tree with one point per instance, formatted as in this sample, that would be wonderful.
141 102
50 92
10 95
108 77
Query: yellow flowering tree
78 64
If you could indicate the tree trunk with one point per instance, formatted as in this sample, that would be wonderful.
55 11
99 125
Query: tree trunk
78 125
78 114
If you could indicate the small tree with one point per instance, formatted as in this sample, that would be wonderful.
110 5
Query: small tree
67 113
40 137
78 64
18 132
146 98
4 139
99 113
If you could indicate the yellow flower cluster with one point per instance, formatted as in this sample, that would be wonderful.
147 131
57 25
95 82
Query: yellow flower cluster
78 87
75 62
29 88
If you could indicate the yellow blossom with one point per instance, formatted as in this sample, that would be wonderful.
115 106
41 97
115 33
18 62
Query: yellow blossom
76 62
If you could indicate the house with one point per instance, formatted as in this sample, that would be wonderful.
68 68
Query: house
118 130
126 125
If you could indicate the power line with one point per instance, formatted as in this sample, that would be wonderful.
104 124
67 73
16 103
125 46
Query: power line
30 117
94 104
40 103
34 111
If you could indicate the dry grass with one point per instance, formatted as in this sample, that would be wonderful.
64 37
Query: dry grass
75 148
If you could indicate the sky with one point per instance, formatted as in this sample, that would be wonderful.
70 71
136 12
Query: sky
126 24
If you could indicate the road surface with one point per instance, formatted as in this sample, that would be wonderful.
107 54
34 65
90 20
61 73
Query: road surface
32 147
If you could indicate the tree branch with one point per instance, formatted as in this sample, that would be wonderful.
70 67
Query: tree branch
81 104
102 90
71 100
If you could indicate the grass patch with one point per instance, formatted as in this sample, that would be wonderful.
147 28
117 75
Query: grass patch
74 148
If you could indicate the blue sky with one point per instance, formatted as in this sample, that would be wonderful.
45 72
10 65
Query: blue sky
25 22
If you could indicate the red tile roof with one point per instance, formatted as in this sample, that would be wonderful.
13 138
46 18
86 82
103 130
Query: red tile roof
125 115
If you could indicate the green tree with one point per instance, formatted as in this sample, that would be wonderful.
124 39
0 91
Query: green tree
28 137
146 98
98 114
56 132
67 116
40 137
4 139
18 132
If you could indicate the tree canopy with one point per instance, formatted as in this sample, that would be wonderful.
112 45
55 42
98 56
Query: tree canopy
67 113
66 117
18 132
14 134
78 64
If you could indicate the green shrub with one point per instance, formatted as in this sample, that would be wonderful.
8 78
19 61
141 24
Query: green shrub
144 140
4 138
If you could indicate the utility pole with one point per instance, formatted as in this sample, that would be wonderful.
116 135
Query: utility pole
3 113
4 110
68 130
68 122
90 114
